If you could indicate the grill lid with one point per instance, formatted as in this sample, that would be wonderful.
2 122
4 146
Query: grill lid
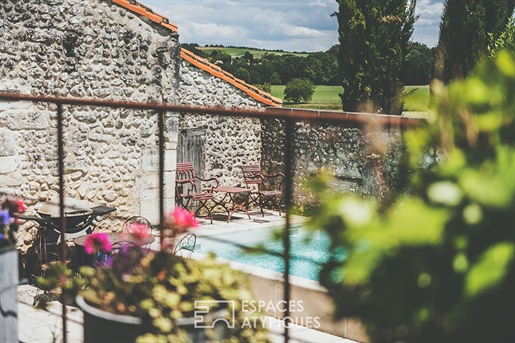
72 207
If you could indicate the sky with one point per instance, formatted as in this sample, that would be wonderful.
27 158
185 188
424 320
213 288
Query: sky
290 25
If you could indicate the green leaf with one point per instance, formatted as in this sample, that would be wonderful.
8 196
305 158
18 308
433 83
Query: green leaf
416 224
490 269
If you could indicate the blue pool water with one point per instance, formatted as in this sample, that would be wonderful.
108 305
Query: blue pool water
308 250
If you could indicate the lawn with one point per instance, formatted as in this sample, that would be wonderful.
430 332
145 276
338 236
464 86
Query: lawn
327 98
239 52
416 98
324 98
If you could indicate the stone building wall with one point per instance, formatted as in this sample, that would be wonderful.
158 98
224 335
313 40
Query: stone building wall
227 141
85 49
363 160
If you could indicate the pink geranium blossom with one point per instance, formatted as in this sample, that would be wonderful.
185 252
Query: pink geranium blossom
140 230
21 205
177 221
97 242
183 219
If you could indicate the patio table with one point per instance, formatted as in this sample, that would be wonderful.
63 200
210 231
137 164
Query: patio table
229 201
121 238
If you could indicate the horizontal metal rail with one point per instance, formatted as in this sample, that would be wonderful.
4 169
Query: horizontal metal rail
289 115
269 113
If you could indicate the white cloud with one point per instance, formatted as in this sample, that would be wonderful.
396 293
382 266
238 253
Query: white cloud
291 25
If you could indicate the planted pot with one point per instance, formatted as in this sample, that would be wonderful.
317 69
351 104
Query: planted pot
8 294
102 326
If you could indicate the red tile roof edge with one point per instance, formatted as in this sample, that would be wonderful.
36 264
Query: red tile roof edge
199 62
215 70
139 8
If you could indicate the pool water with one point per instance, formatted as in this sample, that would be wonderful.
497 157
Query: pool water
309 250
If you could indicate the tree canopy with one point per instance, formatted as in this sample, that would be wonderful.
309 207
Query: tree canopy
374 36
299 89
466 30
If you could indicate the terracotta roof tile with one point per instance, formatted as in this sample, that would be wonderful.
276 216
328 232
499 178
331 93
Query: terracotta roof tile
199 62
139 8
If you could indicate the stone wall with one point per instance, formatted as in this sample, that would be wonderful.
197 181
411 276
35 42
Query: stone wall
85 49
364 160
228 141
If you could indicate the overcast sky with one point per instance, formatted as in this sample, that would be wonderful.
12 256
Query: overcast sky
290 25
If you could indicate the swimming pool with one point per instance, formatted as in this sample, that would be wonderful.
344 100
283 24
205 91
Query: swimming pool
309 250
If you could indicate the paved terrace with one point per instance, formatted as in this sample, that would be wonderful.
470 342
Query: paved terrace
46 326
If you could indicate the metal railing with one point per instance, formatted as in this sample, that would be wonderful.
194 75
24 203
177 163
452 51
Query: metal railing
290 116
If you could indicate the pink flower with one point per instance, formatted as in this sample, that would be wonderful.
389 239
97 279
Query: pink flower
183 219
140 230
21 205
97 242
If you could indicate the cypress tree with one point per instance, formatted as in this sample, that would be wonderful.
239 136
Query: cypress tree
374 36
465 32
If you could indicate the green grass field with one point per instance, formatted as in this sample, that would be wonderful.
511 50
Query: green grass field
416 98
237 52
327 98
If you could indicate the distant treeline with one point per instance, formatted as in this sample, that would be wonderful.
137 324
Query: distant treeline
320 67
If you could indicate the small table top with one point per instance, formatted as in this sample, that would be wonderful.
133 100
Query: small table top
115 237
231 189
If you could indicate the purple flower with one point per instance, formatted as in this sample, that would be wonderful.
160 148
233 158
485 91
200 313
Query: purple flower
5 217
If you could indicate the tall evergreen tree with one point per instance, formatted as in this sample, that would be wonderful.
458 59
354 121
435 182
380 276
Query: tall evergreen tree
465 32
374 36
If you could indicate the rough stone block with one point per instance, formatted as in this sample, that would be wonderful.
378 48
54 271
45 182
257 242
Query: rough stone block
8 145
150 160
9 164
26 120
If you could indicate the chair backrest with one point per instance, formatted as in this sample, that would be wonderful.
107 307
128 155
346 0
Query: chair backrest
252 174
186 246
128 224
185 172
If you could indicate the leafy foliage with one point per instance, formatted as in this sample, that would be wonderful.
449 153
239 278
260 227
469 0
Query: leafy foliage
160 288
417 68
299 89
465 32
505 40
437 265
373 38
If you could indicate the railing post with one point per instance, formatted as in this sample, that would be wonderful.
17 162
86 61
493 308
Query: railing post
60 158
288 168
160 124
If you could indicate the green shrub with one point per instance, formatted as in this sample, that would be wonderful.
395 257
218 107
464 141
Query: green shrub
299 89
437 265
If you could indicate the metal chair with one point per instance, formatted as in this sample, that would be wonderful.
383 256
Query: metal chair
186 246
137 220
262 191
190 189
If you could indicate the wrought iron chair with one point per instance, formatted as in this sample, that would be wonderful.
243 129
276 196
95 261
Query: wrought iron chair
262 191
186 246
136 220
190 189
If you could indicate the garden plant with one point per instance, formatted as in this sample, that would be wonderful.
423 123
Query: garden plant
437 264
159 287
